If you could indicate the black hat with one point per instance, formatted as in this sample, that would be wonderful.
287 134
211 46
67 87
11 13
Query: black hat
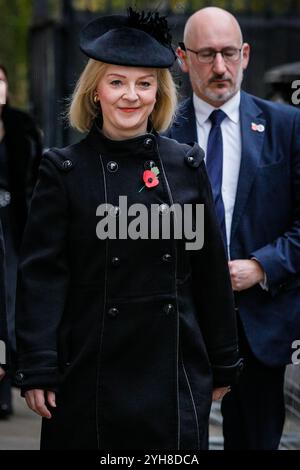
139 39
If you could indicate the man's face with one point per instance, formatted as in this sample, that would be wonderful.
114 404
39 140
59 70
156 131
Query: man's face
215 82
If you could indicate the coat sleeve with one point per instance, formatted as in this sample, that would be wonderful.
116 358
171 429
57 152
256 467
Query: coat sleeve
42 281
281 258
214 296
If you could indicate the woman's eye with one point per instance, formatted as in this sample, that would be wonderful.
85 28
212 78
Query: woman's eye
145 84
116 82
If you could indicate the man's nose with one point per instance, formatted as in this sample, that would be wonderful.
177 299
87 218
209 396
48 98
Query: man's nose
219 66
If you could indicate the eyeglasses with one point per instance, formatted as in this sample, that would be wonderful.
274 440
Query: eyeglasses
230 55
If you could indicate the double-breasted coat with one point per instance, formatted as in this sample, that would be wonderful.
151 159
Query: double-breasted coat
131 333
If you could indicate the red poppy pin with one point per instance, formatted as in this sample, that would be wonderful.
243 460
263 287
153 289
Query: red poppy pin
150 178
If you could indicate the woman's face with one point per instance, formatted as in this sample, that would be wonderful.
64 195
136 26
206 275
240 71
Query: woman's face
127 97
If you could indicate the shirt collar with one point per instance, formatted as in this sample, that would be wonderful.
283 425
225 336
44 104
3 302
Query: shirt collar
204 109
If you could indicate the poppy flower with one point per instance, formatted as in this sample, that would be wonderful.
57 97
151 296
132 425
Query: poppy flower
150 179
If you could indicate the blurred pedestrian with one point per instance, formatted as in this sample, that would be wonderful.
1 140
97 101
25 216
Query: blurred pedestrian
3 322
20 153
122 340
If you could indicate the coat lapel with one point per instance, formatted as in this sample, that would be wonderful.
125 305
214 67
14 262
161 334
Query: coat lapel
184 127
252 144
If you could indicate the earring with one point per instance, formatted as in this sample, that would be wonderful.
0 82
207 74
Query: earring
96 98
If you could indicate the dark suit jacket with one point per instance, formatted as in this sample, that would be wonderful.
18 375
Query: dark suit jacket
266 221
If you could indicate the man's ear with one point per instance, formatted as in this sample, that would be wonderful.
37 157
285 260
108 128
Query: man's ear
246 55
182 59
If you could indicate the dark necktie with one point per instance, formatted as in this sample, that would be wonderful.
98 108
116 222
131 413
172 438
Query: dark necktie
214 165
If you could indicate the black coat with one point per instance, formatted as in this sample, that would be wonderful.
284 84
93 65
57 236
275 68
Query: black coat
3 319
24 150
126 334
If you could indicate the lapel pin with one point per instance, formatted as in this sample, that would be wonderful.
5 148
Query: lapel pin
257 127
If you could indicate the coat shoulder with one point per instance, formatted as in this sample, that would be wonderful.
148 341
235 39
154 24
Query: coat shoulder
274 110
64 159
192 154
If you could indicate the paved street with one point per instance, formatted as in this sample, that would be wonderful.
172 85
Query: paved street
21 431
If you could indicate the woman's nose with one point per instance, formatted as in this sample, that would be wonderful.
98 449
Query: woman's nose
130 94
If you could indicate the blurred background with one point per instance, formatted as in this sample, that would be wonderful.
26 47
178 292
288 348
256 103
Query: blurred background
39 47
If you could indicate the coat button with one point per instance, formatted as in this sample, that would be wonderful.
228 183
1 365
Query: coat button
148 143
19 377
190 159
113 312
163 208
169 308
67 164
115 261
167 258
115 211
112 167
149 164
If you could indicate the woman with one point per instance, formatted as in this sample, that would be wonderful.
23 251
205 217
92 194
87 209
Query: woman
119 334
20 153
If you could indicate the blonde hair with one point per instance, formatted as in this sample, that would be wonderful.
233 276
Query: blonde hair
83 110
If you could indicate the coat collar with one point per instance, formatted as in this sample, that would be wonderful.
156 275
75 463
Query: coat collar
143 145
184 127
252 145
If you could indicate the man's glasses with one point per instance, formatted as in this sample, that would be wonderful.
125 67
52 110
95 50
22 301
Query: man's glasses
230 55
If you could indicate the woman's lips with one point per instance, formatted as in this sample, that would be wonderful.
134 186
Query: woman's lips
128 110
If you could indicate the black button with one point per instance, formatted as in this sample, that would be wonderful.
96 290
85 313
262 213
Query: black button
190 159
19 377
67 364
113 312
112 167
115 261
148 143
67 164
115 211
163 208
169 308
149 164
167 258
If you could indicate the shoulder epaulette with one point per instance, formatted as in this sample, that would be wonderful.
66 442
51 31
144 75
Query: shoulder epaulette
194 156
61 158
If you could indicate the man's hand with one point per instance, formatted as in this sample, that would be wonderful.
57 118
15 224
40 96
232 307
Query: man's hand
2 373
245 273
35 399
219 393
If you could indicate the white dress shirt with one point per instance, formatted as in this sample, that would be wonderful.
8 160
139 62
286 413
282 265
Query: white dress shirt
232 147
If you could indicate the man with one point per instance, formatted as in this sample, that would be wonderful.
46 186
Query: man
253 160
